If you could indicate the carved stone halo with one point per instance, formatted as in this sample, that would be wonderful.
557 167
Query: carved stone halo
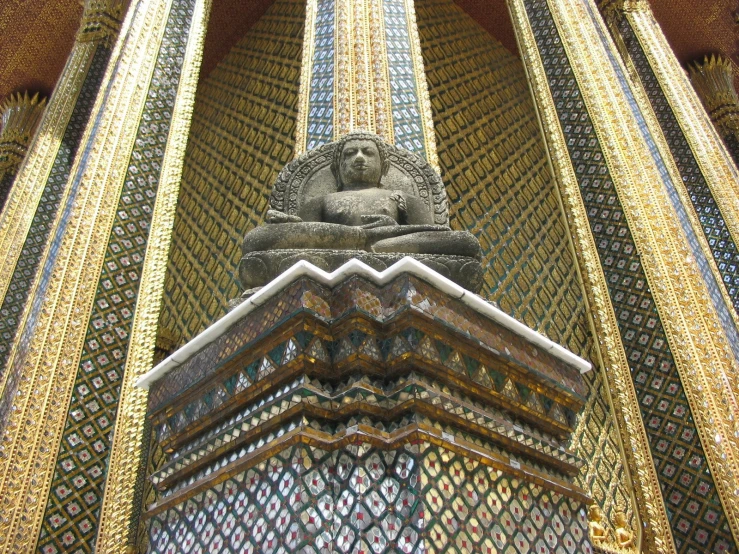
310 176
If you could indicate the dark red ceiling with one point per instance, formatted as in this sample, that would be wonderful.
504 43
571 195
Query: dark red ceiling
37 35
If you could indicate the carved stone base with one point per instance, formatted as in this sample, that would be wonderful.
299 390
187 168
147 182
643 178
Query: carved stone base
259 268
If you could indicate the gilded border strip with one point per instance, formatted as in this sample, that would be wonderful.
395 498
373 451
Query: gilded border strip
21 206
343 68
34 430
362 76
118 503
708 148
54 196
697 341
306 75
657 535
659 138
422 87
381 73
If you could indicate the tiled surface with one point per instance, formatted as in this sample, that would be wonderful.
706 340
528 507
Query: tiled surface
421 498
70 520
6 182
696 515
38 234
382 304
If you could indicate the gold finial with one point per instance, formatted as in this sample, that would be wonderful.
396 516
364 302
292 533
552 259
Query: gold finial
713 80
612 8
101 21
19 116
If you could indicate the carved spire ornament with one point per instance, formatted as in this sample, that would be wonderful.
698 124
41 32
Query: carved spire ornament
21 114
713 80
101 21
19 117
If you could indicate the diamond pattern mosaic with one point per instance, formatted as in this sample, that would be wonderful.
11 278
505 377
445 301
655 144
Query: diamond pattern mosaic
242 135
724 250
696 515
407 121
494 166
321 99
38 234
74 504
474 508
420 498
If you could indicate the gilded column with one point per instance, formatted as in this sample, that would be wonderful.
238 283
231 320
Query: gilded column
663 330
43 182
713 80
19 117
362 69
72 430
705 176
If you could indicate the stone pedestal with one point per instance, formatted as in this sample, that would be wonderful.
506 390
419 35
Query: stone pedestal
366 412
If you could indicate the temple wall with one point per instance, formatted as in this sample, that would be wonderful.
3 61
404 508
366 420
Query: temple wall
242 135
494 164
492 160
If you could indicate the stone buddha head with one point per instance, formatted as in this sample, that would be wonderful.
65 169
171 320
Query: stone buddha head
359 162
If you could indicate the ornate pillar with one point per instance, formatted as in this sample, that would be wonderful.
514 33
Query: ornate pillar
72 429
663 329
19 117
42 184
713 80
363 69
707 181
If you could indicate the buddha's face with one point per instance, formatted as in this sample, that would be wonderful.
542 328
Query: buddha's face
360 165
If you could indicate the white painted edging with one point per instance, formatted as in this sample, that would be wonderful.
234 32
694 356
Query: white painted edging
355 267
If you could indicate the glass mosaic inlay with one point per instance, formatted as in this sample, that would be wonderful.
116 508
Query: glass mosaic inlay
407 119
724 250
38 234
71 517
321 99
696 515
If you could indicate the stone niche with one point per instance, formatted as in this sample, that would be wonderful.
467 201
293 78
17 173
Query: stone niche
361 411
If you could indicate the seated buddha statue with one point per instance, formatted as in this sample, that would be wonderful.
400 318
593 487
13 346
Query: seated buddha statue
361 214
358 198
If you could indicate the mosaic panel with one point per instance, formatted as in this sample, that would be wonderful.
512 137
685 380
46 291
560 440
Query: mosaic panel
494 165
70 520
420 498
407 121
724 250
321 98
242 135
38 234
309 397
470 507
695 513
302 500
